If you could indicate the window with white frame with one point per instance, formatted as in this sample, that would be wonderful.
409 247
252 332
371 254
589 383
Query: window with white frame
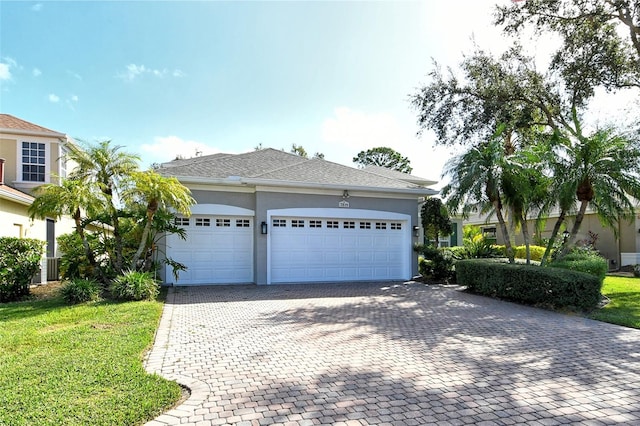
33 161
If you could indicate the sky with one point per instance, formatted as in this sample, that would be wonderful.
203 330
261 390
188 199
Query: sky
164 79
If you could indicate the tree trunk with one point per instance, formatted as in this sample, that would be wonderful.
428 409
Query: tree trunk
85 243
143 242
505 231
527 238
574 231
552 239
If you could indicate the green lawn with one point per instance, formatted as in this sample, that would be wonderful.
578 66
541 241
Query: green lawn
624 308
79 365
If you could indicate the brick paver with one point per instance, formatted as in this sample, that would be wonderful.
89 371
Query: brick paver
384 354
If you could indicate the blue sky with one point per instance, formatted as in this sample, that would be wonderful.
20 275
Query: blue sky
167 78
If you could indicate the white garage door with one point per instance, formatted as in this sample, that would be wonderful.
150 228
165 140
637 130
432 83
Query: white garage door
305 249
218 250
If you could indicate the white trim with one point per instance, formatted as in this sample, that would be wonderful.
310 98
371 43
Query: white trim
47 162
339 213
20 132
221 210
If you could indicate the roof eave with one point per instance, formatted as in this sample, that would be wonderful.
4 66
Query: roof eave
32 133
21 199
238 181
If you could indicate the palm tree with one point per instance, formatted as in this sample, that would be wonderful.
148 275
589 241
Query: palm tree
106 167
604 172
156 192
476 182
70 198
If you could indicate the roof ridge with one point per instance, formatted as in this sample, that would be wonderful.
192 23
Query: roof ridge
302 160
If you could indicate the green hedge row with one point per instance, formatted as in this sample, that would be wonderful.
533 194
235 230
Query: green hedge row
532 285
520 252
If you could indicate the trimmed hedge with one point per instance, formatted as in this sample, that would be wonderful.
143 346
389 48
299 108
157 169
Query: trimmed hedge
532 285
583 262
520 252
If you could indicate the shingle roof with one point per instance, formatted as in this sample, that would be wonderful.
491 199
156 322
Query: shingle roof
394 174
10 123
280 167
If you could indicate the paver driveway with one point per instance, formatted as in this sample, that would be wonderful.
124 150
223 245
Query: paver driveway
384 354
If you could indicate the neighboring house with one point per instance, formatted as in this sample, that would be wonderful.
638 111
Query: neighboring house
269 217
30 155
621 251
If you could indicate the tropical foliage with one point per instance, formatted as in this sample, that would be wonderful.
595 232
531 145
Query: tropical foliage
435 220
529 149
126 209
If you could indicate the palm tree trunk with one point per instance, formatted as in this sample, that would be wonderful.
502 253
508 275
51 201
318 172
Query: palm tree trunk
527 238
85 243
143 242
552 239
505 231
574 230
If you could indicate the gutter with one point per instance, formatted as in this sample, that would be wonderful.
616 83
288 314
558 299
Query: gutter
239 181
32 133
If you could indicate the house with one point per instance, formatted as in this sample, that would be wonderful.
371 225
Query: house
30 155
270 217
620 250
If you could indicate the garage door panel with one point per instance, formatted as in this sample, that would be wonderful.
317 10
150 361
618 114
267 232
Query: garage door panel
214 254
337 250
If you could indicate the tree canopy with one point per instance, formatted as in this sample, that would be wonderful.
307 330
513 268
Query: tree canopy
383 157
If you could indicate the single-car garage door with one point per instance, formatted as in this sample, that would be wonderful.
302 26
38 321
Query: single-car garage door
218 250
308 249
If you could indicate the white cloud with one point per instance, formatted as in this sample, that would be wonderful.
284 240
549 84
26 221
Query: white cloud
349 131
54 98
36 72
167 148
5 72
134 71
36 7
74 98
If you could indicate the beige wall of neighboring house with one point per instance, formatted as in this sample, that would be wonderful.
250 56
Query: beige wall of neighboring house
32 156
620 251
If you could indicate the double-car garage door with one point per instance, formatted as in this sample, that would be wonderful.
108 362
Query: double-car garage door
308 249
219 249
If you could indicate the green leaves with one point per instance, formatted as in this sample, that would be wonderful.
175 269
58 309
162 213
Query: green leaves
383 157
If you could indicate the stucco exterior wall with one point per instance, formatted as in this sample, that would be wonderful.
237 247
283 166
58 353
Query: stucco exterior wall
8 151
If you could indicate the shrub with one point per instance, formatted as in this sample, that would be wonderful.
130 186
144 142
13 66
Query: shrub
435 263
19 261
584 261
478 247
134 285
636 271
80 290
74 262
533 285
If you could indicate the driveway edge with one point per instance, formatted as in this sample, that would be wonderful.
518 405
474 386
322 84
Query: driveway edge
154 362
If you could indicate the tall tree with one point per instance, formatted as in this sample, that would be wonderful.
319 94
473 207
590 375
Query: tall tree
299 150
476 183
105 166
600 39
604 170
435 220
384 157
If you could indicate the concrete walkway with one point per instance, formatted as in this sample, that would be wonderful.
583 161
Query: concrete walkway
362 354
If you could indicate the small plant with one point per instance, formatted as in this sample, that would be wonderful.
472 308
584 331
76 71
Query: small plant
435 263
80 290
134 285
636 271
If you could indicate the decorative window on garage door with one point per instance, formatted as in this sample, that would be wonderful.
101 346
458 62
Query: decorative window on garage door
348 224
365 225
203 221
381 225
315 224
297 223
226 223
279 223
396 226
243 223
332 224
181 221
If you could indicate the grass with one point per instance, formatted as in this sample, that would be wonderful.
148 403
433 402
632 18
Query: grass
79 365
624 308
